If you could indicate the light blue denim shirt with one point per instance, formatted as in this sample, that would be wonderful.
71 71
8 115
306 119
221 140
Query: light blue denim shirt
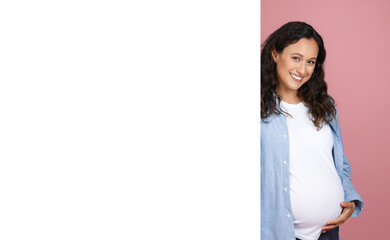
276 214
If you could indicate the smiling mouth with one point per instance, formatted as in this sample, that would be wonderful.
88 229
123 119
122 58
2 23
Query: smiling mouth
296 78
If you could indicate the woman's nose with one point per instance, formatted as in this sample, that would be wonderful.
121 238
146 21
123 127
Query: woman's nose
301 69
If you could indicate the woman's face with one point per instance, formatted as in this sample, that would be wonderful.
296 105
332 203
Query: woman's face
295 65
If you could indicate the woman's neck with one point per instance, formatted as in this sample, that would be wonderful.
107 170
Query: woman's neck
289 97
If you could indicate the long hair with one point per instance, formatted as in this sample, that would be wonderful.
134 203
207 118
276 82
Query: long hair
313 93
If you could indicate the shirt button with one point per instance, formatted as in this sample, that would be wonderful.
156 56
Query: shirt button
284 135
285 189
288 215
285 162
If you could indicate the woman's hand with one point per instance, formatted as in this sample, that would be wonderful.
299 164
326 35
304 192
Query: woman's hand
348 209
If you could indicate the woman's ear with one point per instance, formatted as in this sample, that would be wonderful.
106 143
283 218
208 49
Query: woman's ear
274 55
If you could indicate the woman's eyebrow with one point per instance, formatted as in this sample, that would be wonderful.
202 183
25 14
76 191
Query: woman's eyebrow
302 55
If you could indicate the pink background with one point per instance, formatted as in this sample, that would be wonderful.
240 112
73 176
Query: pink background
357 69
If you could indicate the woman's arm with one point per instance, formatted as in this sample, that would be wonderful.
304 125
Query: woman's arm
353 203
350 194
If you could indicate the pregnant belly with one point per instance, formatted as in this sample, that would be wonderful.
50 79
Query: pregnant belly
314 203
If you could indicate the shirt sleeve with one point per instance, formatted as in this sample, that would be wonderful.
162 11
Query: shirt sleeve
350 194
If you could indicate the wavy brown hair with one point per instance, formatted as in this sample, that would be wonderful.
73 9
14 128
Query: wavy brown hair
313 93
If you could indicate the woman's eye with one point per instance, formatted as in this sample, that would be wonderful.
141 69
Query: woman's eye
311 62
296 58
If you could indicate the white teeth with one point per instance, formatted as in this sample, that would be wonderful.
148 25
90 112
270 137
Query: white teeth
297 78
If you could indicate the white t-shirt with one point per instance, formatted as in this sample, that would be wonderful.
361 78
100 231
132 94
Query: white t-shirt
315 187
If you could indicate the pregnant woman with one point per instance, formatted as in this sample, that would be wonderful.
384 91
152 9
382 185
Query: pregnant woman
306 189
